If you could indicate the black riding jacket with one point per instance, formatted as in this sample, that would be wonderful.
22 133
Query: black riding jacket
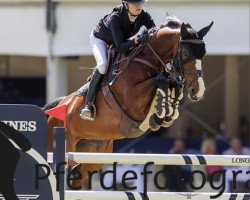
116 28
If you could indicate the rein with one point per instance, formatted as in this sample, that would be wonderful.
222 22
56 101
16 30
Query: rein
131 56
174 68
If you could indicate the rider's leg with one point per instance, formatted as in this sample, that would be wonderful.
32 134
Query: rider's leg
87 111
99 48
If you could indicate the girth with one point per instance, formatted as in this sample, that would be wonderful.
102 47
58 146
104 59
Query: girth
109 97
128 127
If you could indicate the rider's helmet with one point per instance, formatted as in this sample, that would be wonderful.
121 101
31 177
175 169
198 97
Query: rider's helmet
134 1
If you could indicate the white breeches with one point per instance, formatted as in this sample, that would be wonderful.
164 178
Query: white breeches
100 50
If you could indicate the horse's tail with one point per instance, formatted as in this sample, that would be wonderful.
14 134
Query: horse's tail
52 104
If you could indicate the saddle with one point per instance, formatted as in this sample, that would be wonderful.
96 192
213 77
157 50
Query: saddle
114 58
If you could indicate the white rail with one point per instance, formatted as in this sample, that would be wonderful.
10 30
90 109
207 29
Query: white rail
115 195
158 159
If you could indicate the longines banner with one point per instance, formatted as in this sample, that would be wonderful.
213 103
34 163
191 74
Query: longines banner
24 172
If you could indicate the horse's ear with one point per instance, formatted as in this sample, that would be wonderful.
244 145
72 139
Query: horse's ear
205 30
184 31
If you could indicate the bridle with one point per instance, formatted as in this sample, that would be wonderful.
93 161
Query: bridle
178 62
175 68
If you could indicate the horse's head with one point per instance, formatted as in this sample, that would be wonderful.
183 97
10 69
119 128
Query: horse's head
188 59
186 48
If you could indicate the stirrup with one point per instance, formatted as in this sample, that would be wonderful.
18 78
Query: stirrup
88 111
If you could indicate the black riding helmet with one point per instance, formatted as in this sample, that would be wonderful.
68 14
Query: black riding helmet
126 2
134 1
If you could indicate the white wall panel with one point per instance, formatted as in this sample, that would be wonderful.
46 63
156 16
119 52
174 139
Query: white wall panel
22 30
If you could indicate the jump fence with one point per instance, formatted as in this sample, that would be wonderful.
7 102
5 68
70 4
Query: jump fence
158 159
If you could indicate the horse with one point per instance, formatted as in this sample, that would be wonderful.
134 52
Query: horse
153 72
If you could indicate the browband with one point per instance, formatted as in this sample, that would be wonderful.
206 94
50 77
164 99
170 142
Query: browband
195 41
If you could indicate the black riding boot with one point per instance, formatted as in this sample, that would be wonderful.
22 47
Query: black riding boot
87 112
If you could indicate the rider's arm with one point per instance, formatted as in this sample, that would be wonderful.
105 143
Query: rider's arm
148 21
117 35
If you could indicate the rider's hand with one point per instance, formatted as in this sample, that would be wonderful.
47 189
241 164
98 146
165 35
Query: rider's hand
143 38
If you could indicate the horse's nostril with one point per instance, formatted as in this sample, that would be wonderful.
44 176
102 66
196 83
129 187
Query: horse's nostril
193 96
193 92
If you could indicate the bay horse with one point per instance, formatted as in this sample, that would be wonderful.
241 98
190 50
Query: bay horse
173 54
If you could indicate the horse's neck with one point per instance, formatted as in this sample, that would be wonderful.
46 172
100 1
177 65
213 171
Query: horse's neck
164 43
134 91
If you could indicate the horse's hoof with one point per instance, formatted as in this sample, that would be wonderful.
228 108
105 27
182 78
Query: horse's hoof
154 126
168 122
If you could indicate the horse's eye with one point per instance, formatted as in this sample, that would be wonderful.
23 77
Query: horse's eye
185 54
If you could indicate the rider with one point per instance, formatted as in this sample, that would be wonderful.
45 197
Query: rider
115 29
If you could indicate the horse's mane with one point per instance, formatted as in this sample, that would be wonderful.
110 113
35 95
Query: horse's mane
172 22
175 23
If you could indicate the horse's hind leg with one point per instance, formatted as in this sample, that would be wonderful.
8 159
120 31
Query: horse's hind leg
104 146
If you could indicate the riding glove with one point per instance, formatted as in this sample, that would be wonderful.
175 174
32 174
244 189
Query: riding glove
143 38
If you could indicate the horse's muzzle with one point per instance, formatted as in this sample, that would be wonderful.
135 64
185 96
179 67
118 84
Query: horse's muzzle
193 96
